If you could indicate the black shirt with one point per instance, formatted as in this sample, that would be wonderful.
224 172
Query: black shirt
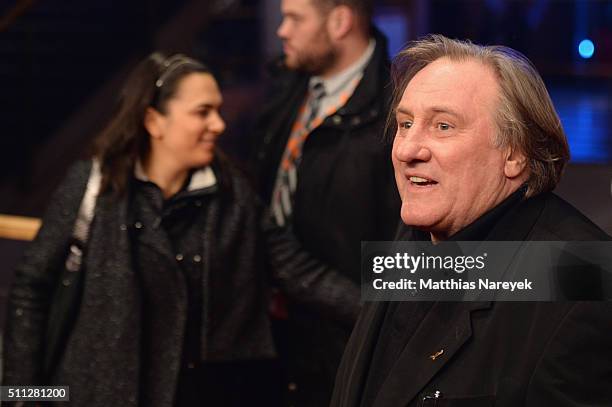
402 319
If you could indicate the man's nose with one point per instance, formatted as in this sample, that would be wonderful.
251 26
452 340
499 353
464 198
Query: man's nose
281 31
411 148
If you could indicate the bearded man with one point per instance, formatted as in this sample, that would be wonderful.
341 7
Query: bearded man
323 168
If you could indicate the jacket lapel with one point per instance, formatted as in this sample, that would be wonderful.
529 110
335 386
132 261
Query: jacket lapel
444 331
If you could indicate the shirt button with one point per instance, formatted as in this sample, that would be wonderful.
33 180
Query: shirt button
138 225
19 312
197 258
123 227
179 257
337 119
292 386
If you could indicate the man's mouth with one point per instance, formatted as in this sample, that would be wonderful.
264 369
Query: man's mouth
421 182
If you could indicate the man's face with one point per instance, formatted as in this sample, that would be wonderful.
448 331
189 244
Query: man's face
306 42
447 169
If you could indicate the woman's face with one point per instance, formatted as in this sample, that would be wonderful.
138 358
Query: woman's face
185 136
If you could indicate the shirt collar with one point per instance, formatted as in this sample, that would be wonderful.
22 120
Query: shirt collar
482 227
200 178
336 83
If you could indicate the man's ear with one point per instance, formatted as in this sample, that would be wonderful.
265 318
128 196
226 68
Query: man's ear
153 120
516 164
340 21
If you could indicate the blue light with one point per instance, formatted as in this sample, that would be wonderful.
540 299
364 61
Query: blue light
586 48
395 26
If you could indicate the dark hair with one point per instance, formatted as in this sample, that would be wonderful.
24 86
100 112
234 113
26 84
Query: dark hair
363 8
525 117
124 140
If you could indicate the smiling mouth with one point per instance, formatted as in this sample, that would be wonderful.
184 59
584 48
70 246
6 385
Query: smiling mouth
421 182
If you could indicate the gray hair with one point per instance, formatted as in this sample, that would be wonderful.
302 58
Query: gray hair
526 118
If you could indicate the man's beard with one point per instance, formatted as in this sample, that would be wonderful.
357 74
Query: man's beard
314 62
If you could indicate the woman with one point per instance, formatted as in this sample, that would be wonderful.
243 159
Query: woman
173 307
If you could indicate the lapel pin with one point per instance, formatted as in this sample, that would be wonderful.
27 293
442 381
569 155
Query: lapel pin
436 355
432 396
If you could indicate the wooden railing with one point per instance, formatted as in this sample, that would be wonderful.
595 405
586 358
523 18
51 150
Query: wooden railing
18 227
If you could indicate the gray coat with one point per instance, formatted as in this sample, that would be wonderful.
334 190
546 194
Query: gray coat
103 354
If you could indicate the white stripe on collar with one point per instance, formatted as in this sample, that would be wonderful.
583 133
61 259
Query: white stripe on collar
201 178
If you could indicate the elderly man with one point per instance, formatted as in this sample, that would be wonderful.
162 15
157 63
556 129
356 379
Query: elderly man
477 150
322 166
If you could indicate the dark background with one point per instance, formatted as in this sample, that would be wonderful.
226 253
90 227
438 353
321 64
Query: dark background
63 61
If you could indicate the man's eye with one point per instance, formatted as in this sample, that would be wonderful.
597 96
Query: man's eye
444 126
406 124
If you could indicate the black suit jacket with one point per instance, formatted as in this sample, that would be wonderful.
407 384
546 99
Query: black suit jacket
501 354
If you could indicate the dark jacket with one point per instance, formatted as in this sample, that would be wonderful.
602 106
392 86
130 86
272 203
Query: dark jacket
489 353
346 190
345 194
102 358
